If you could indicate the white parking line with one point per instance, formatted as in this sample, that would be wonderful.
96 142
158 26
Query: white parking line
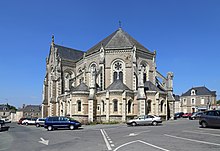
140 142
106 141
200 132
207 129
193 140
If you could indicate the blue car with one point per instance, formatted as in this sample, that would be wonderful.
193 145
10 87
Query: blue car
55 122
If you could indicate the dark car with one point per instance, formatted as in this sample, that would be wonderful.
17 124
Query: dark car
178 115
56 122
195 115
210 119
3 127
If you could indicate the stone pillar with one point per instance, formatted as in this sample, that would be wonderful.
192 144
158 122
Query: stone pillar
141 94
124 107
92 99
90 111
57 108
42 111
107 106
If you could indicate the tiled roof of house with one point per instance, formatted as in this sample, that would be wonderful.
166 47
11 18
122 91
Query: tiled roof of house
199 91
4 108
32 108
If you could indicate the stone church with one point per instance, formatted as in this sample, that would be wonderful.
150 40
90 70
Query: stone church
114 80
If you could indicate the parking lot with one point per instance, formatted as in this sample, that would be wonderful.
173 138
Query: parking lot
178 135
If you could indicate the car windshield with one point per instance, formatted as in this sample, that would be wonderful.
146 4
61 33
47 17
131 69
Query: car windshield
71 119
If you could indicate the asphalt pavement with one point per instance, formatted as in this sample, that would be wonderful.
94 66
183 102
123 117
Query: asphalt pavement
177 135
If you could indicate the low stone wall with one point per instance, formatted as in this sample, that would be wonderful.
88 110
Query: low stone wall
81 118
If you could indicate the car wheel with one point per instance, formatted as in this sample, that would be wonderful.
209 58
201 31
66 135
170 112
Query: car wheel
154 123
204 124
49 128
72 127
37 125
26 124
133 124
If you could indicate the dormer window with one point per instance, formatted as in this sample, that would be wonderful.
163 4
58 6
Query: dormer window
193 92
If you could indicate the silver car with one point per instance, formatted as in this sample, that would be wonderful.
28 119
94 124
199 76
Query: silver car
145 120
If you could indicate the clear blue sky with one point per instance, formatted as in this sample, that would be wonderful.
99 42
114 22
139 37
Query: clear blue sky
186 35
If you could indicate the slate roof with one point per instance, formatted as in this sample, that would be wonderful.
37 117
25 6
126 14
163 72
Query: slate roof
3 107
117 85
69 53
176 97
117 40
81 87
149 86
199 91
32 108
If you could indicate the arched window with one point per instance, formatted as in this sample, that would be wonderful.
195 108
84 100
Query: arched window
103 106
115 105
149 106
118 71
61 108
67 77
93 67
145 77
161 106
79 106
68 107
144 66
129 106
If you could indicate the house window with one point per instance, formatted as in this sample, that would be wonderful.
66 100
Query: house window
79 104
184 101
115 103
193 92
193 101
202 101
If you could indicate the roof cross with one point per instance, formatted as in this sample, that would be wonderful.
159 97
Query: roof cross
119 24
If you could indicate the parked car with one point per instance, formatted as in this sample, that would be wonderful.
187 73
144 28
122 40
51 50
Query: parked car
145 120
178 115
21 119
56 122
3 127
186 115
210 119
195 115
40 122
29 121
